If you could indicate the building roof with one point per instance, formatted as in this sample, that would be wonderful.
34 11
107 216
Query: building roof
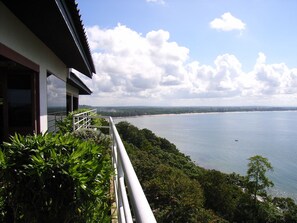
74 81
58 24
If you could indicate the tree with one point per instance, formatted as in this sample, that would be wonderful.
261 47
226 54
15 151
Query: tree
257 181
220 195
174 196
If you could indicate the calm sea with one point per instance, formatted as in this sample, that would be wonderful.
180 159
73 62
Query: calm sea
225 141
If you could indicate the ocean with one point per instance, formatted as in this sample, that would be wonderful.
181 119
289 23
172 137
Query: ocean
225 141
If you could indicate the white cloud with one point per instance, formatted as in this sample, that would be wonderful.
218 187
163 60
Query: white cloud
157 1
227 22
136 69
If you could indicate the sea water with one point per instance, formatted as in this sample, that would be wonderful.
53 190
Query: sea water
225 141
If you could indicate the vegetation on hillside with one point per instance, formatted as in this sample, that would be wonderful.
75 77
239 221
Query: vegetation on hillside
180 191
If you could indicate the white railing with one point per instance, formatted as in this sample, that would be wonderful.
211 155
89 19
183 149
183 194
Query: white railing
125 179
83 119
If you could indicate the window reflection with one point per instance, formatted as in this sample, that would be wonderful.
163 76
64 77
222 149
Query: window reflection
56 101
56 94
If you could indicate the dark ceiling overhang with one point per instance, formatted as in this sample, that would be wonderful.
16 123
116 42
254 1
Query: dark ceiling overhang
74 81
58 24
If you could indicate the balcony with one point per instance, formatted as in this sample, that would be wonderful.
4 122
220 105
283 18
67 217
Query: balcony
132 208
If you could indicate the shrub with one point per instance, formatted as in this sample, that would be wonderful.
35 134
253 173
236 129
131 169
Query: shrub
93 135
54 178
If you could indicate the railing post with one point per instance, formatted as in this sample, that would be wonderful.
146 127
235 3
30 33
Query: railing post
55 130
73 122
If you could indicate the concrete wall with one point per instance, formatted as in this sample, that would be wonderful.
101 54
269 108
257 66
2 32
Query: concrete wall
15 35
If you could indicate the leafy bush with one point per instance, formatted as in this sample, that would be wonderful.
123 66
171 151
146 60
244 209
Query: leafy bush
95 136
54 178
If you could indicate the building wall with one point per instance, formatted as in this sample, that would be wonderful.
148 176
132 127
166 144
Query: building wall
72 90
72 98
15 35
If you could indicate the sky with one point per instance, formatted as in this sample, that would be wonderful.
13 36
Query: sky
191 52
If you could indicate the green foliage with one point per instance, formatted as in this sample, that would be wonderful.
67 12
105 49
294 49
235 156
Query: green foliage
257 181
287 208
54 178
221 196
268 212
94 136
174 196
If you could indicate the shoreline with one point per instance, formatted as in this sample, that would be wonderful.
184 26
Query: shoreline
202 113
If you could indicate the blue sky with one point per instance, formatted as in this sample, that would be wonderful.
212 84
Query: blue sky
192 52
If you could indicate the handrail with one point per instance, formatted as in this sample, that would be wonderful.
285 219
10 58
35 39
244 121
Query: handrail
125 179
83 119
141 207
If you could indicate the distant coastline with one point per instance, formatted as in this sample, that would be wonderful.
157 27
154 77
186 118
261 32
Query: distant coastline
128 111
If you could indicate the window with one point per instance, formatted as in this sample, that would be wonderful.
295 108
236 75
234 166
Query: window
19 97
19 94
56 94
56 101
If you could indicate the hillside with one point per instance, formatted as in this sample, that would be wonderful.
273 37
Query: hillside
180 191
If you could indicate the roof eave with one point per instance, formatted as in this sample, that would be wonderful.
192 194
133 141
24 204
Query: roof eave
74 81
49 19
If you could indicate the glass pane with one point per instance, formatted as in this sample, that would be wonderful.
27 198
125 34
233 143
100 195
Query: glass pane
56 101
56 94
19 98
75 103
1 110
69 104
